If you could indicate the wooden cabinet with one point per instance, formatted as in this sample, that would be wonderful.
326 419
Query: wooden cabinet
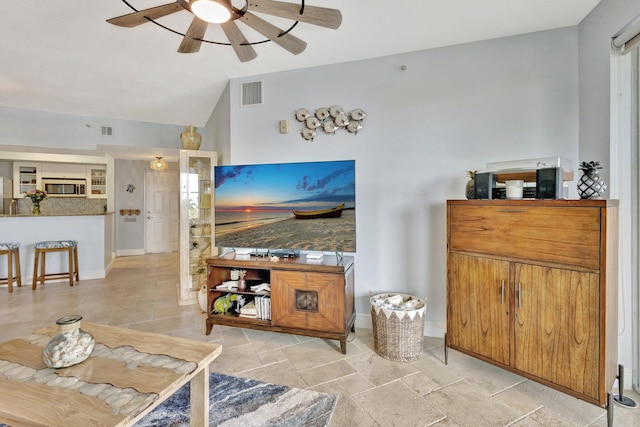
96 176
64 170
557 327
478 312
532 287
310 299
27 176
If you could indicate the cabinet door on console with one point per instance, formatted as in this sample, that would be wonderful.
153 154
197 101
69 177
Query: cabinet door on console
284 287
308 301
556 326
478 305
329 315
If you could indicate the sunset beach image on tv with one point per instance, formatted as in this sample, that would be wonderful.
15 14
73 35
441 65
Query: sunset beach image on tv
282 206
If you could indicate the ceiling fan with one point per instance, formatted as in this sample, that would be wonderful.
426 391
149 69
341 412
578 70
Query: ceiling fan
225 13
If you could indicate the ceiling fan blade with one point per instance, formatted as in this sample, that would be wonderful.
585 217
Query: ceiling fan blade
324 17
140 17
286 41
239 42
196 30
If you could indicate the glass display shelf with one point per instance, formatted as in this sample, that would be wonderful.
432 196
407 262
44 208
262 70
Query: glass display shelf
196 221
97 182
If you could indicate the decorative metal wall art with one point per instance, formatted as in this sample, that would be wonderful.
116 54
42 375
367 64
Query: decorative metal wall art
329 120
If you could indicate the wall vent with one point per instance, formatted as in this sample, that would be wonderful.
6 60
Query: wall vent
251 93
106 131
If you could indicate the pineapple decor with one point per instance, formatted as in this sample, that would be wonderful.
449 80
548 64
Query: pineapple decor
591 185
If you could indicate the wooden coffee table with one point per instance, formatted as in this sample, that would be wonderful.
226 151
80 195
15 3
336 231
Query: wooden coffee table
128 374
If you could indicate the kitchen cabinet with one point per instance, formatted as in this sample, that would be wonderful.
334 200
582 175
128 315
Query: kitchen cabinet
96 176
64 170
196 221
532 288
27 176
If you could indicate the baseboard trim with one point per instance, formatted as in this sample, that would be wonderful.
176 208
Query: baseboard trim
130 252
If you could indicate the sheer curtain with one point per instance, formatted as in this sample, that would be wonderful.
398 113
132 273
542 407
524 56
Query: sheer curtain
625 183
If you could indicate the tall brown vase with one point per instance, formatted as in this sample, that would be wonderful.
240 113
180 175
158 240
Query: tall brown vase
190 138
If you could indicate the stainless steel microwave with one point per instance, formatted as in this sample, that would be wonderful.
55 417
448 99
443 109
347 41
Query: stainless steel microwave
64 187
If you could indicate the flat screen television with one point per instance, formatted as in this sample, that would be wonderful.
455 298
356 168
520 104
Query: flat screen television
306 206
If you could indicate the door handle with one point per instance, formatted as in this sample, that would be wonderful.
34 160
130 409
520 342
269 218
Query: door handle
519 295
502 292
149 217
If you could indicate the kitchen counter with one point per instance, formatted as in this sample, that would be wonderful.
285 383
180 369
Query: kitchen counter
94 233
50 215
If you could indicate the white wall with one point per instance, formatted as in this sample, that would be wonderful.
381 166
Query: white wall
595 33
29 128
130 234
218 129
452 110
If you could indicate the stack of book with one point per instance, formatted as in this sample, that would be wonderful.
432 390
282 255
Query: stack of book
263 307
259 308
248 310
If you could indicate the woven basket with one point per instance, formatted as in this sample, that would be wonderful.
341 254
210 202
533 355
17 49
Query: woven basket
398 335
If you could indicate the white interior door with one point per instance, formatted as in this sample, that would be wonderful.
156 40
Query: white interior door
162 213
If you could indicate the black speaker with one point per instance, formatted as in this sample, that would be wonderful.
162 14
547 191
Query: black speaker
484 184
549 183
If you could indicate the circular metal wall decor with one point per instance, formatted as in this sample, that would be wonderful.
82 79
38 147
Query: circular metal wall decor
329 120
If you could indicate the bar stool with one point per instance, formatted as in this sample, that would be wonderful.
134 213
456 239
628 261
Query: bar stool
42 248
12 251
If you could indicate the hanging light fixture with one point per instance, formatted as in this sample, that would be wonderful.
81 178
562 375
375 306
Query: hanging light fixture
158 164
214 11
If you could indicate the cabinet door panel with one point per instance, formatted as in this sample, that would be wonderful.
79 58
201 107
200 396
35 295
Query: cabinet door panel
284 287
308 301
569 236
478 315
556 326
328 315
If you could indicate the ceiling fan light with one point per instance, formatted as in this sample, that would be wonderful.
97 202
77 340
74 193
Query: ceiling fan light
210 11
158 164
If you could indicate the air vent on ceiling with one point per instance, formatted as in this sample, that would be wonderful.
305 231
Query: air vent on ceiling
106 131
251 93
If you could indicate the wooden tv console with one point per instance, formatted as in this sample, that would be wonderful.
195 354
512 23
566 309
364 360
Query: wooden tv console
309 298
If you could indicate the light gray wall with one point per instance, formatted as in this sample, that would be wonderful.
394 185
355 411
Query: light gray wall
130 230
29 128
129 235
218 129
452 110
594 34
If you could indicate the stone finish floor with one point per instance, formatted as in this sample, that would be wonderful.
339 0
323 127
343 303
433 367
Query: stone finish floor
140 293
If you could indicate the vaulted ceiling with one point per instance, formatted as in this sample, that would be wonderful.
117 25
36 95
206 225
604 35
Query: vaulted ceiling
62 55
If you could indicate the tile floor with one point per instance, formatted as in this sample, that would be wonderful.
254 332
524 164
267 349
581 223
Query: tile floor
140 293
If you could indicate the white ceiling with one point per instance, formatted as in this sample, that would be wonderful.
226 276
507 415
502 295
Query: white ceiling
61 55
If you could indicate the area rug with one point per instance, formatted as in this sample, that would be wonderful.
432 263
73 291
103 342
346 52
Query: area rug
235 401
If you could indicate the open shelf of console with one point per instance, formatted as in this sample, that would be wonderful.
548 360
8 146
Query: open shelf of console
314 298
